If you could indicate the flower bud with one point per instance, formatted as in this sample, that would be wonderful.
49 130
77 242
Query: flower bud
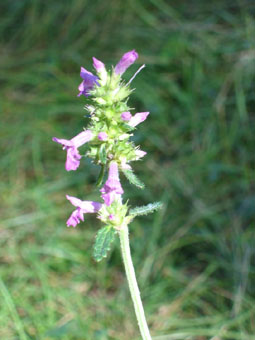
127 59
126 116
102 136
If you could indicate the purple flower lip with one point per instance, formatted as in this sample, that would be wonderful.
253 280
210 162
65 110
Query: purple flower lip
102 136
112 189
82 207
127 60
89 80
71 146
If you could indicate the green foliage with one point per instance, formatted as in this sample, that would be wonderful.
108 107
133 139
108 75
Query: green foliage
101 176
102 154
146 209
133 179
104 239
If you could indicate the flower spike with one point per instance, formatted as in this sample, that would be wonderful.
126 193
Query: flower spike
109 131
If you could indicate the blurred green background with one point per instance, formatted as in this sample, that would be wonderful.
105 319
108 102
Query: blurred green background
195 258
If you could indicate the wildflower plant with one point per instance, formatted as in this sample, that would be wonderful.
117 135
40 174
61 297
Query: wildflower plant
107 138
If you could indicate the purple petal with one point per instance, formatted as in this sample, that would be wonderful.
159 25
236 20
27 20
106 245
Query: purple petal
113 171
127 59
112 185
90 206
88 82
112 188
88 76
102 136
75 218
126 116
108 198
98 65
140 154
74 201
82 138
85 206
138 118
72 159
64 142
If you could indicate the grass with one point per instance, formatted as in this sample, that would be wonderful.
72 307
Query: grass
194 259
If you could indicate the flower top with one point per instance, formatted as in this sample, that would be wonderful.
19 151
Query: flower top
127 60
112 189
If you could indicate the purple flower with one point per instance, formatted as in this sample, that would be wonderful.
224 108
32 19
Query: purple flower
89 80
112 188
98 65
127 59
83 207
102 136
126 116
140 154
71 146
138 118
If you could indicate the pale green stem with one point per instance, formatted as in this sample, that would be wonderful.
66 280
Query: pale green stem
133 286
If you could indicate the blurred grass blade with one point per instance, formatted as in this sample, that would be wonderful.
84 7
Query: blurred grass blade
14 314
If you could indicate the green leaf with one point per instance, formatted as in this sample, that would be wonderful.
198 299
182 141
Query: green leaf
104 238
133 179
101 176
102 154
146 209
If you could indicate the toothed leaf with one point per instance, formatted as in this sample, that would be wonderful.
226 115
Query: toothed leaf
133 179
146 209
104 238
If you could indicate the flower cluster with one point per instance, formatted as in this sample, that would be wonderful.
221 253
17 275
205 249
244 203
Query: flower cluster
107 138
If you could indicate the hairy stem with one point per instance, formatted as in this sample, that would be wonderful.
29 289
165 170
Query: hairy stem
133 286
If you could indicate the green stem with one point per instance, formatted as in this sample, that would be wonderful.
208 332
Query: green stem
133 287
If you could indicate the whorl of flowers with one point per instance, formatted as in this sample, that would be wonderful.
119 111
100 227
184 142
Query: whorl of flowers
107 138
